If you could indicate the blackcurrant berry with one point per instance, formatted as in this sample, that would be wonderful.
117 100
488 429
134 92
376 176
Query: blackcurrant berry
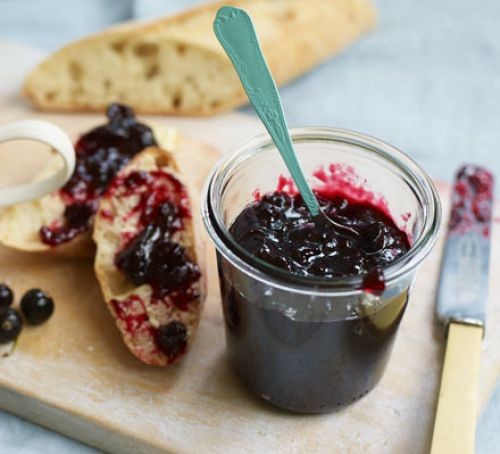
11 324
171 338
6 296
37 306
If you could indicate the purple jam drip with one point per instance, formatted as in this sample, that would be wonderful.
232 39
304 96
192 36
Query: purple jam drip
278 229
100 154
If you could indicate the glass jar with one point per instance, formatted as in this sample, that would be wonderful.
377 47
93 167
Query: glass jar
308 344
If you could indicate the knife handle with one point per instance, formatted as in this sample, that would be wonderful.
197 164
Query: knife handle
455 423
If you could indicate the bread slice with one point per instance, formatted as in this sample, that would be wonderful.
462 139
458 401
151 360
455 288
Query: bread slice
176 66
20 224
143 314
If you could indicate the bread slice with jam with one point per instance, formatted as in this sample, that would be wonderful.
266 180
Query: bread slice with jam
147 263
61 222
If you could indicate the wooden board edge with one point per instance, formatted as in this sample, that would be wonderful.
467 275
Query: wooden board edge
73 426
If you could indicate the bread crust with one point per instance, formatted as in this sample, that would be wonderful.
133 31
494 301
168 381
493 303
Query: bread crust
108 236
295 36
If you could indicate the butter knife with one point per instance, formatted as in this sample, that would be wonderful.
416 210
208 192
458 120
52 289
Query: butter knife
461 307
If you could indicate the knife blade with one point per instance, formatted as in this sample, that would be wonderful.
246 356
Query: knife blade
461 306
463 285
488 429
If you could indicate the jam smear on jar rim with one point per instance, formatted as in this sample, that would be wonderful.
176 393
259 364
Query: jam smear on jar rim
278 229
100 155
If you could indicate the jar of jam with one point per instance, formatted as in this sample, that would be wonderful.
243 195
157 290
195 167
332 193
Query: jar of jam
310 315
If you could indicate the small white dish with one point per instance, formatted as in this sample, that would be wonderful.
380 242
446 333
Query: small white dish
48 133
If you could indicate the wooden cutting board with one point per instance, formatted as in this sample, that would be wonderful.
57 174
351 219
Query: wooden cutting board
75 375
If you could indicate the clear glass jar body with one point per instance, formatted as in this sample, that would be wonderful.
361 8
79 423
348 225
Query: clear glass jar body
312 345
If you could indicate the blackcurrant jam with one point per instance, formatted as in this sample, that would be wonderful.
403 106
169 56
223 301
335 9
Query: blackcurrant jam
472 200
151 256
100 154
312 311
279 230
306 366
295 361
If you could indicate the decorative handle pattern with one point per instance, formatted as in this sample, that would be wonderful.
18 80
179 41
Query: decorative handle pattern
236 33
53 136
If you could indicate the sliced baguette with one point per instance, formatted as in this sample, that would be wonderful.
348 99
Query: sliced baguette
20 224
117 221
176 66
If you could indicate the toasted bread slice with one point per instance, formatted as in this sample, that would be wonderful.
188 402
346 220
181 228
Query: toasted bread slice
176 66
20 224
146 262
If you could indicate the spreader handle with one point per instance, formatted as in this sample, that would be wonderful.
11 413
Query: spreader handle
455 423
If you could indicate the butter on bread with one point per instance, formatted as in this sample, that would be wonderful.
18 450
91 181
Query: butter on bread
138 312
20 224
175 65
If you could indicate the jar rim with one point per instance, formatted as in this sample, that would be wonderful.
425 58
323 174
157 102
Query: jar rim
338 286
